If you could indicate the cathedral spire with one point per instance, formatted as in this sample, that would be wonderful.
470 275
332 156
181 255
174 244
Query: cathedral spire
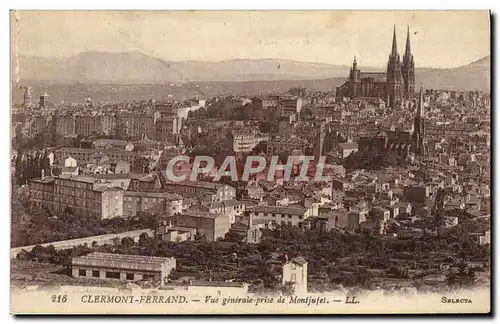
394 51
408 47
421 102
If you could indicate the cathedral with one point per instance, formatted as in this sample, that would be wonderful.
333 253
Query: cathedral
401 142
393 86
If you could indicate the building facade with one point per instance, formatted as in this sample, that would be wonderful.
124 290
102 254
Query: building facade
122 267
163 203
245 141
218 191
85 196
295 272
211 225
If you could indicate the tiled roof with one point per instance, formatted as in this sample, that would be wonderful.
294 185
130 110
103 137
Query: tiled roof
120 261
299 260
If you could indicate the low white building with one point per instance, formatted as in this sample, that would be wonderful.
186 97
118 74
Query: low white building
295 272
122 267
279 215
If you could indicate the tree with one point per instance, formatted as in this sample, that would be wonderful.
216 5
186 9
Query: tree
198 237
288 289
143 239
398 272
127 242
233 237
261 147
438 211
266 126
267 275
265 248
19 169
463 277
140 165
306 113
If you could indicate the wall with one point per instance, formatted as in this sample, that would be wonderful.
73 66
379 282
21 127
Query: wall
222 224
100 239
300 273
112 204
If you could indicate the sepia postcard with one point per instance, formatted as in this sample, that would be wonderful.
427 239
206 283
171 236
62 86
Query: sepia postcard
250 162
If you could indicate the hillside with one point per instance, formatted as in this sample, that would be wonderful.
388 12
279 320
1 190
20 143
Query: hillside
474 76
133 76
135 67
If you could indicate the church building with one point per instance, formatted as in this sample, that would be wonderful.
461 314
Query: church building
393 86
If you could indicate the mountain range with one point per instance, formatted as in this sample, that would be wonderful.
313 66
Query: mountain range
139 68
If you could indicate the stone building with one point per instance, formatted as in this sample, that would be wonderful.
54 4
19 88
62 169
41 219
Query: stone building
394 85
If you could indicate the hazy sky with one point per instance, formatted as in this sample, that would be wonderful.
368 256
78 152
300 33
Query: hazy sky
438 38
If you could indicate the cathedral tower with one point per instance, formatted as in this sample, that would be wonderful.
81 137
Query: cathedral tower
354 79
394 75
408 70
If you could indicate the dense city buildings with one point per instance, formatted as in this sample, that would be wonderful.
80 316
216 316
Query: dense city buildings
405 197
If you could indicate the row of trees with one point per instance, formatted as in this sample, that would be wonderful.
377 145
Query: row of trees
30 165
342 258
46 138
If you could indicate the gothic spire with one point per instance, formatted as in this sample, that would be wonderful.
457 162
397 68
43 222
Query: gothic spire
421 102
394 51
408 47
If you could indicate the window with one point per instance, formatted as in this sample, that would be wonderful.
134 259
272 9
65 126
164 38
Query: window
95 273
294 266
81 273
130 276
294 277
112 275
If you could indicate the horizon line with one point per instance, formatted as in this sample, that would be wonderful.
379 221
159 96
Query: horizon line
243 59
